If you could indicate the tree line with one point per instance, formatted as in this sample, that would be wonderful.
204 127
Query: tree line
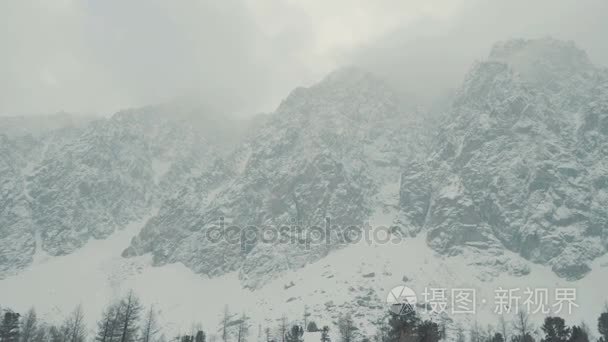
122 321
127 320
410 327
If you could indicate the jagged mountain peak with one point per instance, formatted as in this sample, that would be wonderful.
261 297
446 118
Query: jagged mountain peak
559 51
543 61
334 149
174 111
350 76
500 176
507 182
351 92
554 72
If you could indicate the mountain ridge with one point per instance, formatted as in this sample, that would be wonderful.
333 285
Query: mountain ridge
496 175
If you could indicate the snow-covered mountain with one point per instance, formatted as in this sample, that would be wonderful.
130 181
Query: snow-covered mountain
508 189
64 186
16 238
520 163
334 150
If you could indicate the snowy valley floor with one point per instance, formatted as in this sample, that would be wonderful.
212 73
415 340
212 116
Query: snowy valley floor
96 274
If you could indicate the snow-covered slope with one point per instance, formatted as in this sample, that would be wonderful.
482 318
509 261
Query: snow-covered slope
519 163
333 150
510 191
354 279
63 186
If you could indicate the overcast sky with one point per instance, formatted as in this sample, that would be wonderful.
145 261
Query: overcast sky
244 56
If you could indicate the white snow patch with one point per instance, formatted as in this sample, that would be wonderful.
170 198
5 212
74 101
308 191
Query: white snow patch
97 273
452 190
40 255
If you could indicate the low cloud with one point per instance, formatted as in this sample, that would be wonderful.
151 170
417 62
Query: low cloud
244 56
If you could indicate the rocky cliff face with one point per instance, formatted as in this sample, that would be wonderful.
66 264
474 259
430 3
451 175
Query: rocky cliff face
331 150
65 185
17 241
520 163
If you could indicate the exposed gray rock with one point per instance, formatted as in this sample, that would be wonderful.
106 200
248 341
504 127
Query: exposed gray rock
519 162
326 152
67 183
17 238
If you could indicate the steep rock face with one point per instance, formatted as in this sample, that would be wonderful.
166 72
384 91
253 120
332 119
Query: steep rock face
17 241
67 185
101 180
114 172
520 162
331 150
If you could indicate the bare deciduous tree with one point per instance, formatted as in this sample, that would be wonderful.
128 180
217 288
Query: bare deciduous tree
74 329
150 328
346 327
29 326
503 327
522 324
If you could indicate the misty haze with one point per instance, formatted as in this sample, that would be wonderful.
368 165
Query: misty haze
303 171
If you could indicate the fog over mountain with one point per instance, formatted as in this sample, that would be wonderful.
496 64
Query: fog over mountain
242 56
296 161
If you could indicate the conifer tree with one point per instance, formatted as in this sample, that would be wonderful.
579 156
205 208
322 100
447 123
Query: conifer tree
41 334
312 327
130 309
295 334
200 336
497 338
402 327
243 328
306 315
9 327
382 330
555 330
55 334
428 331
578 334
283 328
602 326
325 334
